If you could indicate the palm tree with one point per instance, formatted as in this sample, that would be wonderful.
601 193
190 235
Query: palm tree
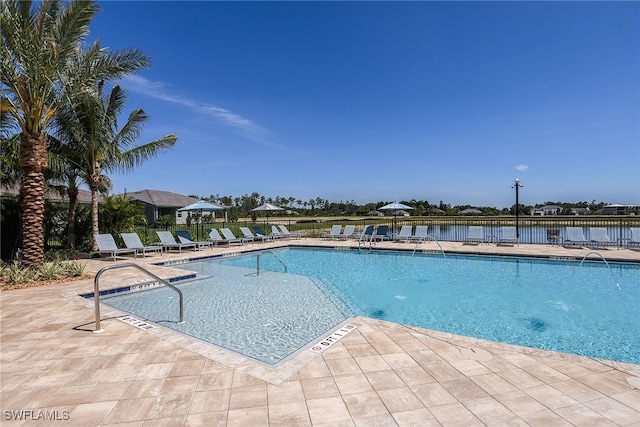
42 66
93 143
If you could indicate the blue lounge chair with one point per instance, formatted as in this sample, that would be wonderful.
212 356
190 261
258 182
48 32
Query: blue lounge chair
260 234
381 234
132 241
107 245
185 237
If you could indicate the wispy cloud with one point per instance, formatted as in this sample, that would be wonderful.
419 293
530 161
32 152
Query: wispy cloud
522 168
158 90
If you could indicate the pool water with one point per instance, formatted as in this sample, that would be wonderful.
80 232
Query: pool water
590 310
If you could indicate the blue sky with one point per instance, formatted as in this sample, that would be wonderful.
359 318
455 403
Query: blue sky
381 101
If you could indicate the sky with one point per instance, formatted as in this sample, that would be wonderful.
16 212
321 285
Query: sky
381 101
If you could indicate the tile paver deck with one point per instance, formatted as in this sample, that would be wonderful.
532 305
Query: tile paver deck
380 374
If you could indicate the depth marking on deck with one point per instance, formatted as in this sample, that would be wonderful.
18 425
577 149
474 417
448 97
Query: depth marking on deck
333 338
136 322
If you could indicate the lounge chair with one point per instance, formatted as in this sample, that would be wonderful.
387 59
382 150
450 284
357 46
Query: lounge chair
168 242
259 233
333 233
277 234
475 236
132 241
248 234
421 233
599 238
635 237
290 234
215 237
230 238
405 233
185 237
382 233
553 236
365 234
508 236
575 237
347 233
107 245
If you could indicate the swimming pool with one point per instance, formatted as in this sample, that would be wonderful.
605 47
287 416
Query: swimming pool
589 310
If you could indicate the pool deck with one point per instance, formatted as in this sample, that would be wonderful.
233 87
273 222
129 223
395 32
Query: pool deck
379 374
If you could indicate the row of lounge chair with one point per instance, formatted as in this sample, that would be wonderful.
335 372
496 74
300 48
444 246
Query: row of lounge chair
380 233
598 237
134 246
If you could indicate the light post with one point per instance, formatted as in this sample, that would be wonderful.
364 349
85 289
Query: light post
517 185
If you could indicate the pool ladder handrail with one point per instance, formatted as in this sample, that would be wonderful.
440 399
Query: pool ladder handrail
274 255
364 236
96 290
431 236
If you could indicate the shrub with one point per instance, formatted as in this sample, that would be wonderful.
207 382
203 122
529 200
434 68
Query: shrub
73 268
15 274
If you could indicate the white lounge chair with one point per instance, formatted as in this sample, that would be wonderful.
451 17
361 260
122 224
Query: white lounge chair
290 234
575 237
215 237
132 241
107 245
405 233
168 242
635 237
277 234
333 233
508 236
347 233
230 238
475 236
421 233
599 237
248 234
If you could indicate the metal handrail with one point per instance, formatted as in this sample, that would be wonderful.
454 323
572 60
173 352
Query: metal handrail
258 262
432 237
96 290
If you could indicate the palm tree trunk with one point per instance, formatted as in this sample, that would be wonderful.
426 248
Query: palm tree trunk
72 192
33 161
94 214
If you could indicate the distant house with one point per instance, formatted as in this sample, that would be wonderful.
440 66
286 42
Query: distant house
580 211
471 211
375 213
436 211
158 203
546 210
400 212
616 209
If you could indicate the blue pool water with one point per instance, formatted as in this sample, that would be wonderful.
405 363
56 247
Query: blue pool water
591 310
